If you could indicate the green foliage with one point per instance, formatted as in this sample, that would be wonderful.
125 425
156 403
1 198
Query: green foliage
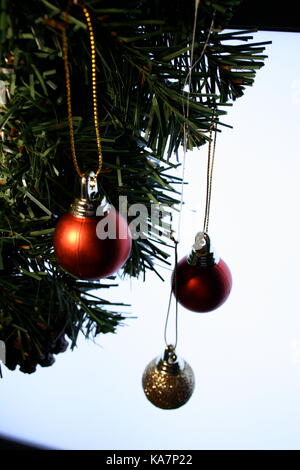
143 53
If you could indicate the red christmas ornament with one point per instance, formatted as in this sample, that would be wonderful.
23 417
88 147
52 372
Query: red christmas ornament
201 282
82 245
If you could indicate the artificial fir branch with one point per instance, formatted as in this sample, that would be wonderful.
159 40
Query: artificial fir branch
143 52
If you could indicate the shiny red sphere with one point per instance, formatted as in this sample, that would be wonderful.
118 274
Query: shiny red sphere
80 252
201 289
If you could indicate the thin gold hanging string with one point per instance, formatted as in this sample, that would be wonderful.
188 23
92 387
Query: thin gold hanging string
185 142
94 87
188 81
186 110
174 281
210 168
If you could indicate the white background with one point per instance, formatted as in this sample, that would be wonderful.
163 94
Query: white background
245 355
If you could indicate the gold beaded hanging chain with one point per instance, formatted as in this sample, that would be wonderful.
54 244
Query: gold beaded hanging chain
94 86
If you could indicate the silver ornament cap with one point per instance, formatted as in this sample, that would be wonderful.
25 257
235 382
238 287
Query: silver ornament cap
86 205
168 381
202 254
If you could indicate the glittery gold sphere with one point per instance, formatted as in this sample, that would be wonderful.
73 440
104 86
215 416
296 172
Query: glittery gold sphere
168 381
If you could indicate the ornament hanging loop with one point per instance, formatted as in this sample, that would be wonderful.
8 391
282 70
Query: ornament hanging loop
202 254
169 362
202 243
89 186
86 205
170 355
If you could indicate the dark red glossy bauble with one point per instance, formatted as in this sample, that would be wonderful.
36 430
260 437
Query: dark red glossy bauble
201 289
80 252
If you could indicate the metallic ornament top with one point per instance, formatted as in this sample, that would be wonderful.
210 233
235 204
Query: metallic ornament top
86 205
202 255
168 381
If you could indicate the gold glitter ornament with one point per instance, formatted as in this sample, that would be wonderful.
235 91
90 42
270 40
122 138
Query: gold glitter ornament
168 381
